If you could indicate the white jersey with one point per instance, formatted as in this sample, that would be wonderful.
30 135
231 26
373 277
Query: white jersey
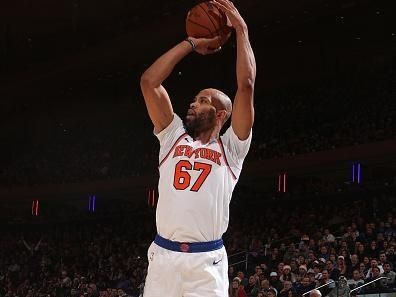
196 183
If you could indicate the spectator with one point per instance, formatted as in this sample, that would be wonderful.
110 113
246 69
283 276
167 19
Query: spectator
290 253
353 266
356 280
390 282
287 275
274 281
341 266
342 290
333 271
317 271
302 272
253 286
363 270
241 276
304 285
287 289
360 251
236 288
373 251
326 280
265 286
311 275
373 264
272 292
328 237
382 258
374 287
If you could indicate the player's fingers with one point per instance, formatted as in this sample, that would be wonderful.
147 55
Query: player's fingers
213 50
228 3
217 49
216 38
223 5
224 2
226 7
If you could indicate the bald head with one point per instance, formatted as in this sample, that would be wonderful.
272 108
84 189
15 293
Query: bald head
315 293
220 101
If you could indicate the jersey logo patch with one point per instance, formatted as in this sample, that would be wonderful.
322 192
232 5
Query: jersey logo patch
184 247
217 262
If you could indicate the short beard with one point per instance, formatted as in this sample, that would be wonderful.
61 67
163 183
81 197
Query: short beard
200 123
188 128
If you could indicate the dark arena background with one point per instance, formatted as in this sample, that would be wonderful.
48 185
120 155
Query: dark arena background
78 177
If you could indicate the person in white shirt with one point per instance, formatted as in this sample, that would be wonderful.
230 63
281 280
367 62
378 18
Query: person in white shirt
199 169
356 279
373 264
327 236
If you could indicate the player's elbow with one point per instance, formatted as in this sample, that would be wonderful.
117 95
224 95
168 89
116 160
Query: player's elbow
148 81
246 85
145 80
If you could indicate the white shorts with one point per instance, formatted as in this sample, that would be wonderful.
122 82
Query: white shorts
177 274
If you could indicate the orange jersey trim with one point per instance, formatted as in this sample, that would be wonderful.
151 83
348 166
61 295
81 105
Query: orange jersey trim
225 158
172 148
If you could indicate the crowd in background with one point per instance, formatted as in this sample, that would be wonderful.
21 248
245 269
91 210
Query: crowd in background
290 121
291 247
277 247
325 117
294 250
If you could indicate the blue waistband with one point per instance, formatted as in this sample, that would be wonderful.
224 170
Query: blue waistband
186 247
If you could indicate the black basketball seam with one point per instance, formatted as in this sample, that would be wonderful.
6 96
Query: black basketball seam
220 18
202 26
210 19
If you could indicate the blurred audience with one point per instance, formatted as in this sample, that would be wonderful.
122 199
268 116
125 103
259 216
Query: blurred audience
285 244
291 120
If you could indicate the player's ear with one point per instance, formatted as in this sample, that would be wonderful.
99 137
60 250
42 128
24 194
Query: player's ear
222 115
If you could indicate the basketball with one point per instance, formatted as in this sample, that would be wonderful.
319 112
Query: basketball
206 20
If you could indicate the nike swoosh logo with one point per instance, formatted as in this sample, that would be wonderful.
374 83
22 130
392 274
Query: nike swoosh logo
216 262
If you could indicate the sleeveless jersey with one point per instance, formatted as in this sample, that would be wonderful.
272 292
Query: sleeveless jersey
196 183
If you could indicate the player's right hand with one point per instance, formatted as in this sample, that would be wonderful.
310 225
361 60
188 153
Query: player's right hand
207 46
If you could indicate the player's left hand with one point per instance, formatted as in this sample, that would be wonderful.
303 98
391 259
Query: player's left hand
232 13
206 46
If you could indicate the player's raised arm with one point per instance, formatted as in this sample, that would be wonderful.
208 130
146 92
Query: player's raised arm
156 97
243 115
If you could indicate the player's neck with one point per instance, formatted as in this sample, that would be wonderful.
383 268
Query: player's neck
207 136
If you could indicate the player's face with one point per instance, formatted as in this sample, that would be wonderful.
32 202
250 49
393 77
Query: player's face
201 116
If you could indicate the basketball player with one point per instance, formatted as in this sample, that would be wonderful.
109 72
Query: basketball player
198 170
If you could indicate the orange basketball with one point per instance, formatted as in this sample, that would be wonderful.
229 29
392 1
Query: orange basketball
206 20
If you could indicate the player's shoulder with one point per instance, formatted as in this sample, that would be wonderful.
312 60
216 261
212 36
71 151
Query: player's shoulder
234 146
230 135
172 132
175 125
